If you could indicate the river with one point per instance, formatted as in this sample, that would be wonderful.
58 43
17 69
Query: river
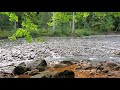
54 49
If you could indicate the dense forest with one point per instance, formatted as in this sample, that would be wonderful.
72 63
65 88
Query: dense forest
36 24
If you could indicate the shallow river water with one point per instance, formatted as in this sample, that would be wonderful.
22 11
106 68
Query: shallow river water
54 49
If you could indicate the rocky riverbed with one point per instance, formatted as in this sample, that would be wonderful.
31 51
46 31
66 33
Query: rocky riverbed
56 49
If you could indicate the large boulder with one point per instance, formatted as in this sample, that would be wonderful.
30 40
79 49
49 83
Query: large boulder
48 74
40 64
20 69
44 74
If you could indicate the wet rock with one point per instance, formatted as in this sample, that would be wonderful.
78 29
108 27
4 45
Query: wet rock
20 69
6 75
22 64
44 74
33 72
97 65
87 66
113 73
40 64
67 62
40 76
64 74
16 76
106 69
110 63
101 68
98 71
116 68
93 71
78 68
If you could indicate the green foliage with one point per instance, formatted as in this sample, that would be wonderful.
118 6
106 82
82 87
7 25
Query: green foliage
21 33
84 32
12 16
36 25
66 31
57 33
6 34
28 25
39 39
100 22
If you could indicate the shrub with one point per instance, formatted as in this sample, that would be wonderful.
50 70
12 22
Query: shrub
57 32
6 34
85 32
39 39
66 32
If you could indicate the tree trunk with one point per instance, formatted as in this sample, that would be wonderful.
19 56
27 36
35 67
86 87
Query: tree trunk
15 25
73 23
19 22
53 23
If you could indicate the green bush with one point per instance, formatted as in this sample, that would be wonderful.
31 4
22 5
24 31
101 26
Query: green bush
66 32
57 32
40 32
85 32
6 34
39 39
34 33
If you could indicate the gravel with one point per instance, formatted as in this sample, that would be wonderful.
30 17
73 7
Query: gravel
54 49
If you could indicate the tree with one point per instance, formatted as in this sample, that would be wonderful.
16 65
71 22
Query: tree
53 23
73 24
25 25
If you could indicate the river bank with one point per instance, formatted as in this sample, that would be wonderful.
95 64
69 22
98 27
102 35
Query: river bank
57 49
69 69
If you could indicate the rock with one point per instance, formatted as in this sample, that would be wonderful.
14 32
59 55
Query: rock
106 69
98 71
41 65
67 62
93 71
20 69
22 64
41 76
87 66
97 65
116 53
44 74
64 74
6 75
16 76
113 73
110 64
78 68
33 72
116 68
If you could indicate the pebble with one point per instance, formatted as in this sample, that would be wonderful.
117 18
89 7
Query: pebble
19 51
